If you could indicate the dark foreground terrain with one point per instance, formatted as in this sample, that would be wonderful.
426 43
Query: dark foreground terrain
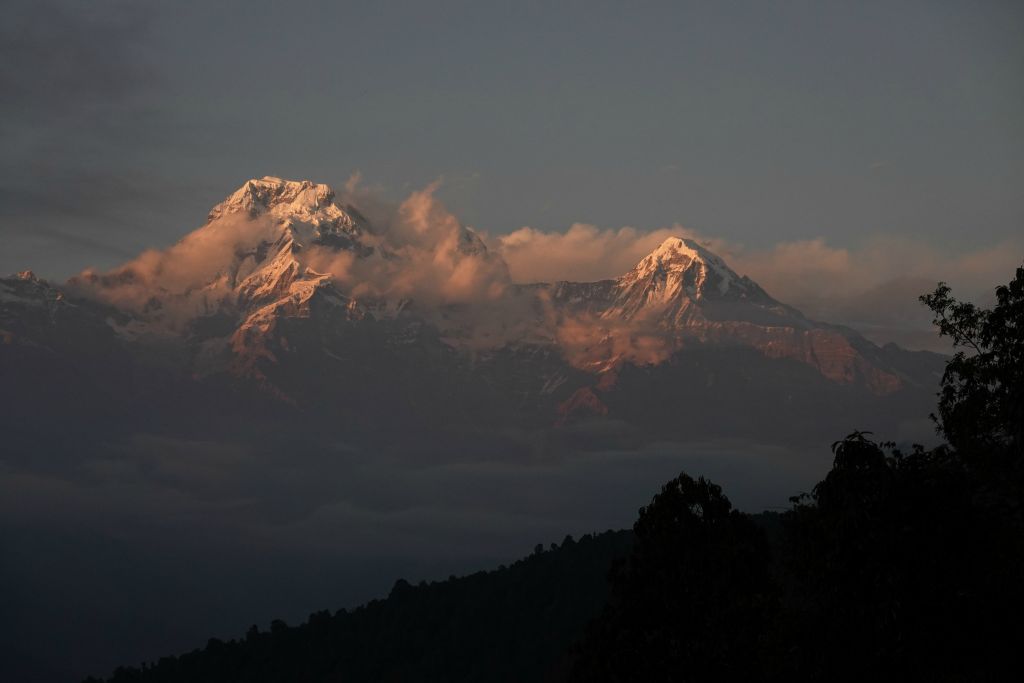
899 565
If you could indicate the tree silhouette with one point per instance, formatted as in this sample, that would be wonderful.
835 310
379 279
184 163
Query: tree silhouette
898 568
693 599
981 404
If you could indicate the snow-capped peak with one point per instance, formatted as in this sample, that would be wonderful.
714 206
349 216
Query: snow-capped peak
672 246
305 211
258 196
678 282
677 255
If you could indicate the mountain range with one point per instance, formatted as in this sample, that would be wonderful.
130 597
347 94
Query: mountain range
290 308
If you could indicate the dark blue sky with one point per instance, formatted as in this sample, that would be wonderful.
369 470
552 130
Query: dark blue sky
757 123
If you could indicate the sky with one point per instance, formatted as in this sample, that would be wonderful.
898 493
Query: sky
755 123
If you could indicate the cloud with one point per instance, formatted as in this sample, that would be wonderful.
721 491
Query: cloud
800 268
189 278
591 343
874 287
583 252
440 255
427 254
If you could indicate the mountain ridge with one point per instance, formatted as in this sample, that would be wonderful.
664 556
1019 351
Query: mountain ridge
285 286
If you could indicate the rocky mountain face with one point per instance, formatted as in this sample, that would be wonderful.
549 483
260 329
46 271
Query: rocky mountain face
290 307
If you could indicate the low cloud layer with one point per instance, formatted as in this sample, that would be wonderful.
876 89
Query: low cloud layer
150 545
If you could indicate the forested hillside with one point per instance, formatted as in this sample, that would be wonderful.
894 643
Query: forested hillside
511 624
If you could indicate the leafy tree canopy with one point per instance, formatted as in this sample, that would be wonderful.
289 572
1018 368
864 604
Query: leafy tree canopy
982 399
